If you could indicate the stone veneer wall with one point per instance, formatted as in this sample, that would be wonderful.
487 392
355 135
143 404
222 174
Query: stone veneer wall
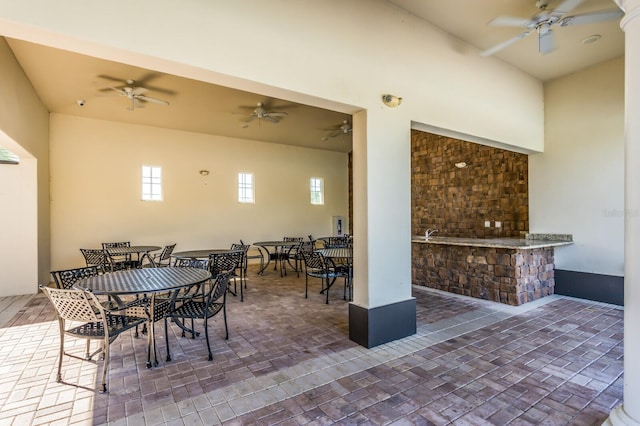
457 202
508 276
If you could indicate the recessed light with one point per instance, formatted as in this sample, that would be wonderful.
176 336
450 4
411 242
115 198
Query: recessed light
591 39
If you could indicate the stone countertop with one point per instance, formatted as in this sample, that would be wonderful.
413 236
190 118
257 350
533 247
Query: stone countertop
505 243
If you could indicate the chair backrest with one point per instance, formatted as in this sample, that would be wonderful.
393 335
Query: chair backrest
307 246
95 257
292 239
336 242
116 244
65 279
74 305
186 262
226 262
219 288
313 260
166 252
245 251
241 246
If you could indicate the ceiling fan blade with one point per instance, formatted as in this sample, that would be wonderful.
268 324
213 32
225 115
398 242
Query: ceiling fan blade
566 6
118 91
150 99
591 18
250 118
108 77
276 114
510 21
490 51
271 119
546 42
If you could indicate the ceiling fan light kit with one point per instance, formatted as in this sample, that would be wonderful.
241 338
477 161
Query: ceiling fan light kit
136 94
261 112
344 129
543 22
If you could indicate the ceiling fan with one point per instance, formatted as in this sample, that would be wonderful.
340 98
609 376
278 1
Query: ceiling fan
261 112
136 94
343 129
542 22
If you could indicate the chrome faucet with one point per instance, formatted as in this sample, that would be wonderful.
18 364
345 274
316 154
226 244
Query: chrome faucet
429 233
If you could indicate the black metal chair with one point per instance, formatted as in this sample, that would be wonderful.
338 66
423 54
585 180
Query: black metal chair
124 261
98 257
305 246
336 242
245 261
202 305
289 254
317 266
188 292
98 323
251 254
229 262
65 279
162 259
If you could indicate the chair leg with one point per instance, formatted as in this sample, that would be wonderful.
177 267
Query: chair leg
59 377
224 315
206 334
306 286
166 338
105 366
328 285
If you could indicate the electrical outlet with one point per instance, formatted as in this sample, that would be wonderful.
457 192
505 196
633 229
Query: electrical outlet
498 224
487 224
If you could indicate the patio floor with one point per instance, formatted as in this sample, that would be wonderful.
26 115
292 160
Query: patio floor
289 361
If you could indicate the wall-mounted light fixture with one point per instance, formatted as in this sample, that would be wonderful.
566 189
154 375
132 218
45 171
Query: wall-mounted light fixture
204 172
461 165
391 101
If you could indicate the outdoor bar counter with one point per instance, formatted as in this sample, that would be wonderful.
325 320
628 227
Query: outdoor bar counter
506 270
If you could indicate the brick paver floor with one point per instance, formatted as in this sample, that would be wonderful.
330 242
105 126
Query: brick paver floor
289 361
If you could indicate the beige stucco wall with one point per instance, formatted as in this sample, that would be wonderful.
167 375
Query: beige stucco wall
95 188
24 189
320 55
577 185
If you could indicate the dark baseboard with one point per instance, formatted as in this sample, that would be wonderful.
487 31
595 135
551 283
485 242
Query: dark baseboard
596 287
383 324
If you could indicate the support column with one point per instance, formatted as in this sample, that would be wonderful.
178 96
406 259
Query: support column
628 413
383 309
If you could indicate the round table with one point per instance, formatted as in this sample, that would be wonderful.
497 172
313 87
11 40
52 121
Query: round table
147 281
276 254
198 254
141 251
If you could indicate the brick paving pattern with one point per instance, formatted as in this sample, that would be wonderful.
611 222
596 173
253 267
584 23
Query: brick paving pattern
288 361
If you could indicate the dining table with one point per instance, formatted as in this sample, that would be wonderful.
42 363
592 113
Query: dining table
276 251
145 284
140 251
200 253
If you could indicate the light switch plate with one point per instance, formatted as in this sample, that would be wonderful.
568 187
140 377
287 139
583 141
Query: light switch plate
487 224
498 224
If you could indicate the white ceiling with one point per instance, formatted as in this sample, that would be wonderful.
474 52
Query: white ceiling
468 19
61 78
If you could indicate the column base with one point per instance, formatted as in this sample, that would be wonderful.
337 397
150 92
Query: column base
383 324
618 417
